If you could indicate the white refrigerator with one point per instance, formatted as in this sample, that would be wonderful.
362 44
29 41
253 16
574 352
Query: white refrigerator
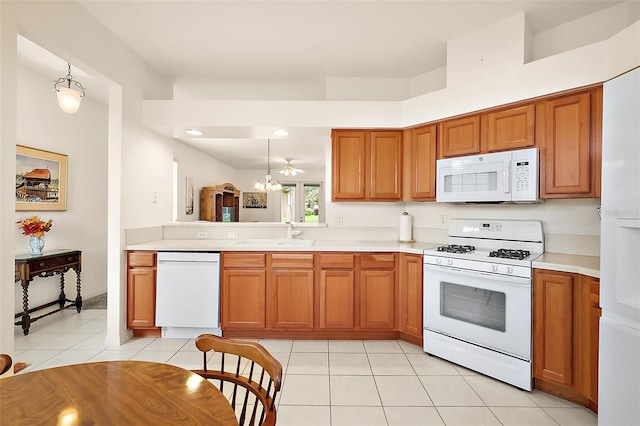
619 356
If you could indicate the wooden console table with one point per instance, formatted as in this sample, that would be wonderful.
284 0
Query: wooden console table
46 265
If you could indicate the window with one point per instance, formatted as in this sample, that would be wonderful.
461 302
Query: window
302 202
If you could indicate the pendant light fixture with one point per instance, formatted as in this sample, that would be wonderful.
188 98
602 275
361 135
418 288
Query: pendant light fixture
69 97
268 184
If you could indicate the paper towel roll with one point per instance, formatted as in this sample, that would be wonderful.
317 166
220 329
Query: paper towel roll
404 227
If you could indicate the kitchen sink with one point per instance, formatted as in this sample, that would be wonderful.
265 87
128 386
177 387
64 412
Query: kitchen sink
272 242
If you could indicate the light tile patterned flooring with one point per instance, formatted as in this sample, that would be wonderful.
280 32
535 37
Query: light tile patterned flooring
331 382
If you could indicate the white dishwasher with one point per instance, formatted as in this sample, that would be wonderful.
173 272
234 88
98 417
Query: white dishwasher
188 293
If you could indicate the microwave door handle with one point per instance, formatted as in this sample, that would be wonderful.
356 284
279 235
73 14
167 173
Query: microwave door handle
506 177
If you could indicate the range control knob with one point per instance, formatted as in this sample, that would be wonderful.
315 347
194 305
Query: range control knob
438 261
449 262
494 268
509 270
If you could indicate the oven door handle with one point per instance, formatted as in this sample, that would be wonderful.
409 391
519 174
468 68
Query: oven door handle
511 280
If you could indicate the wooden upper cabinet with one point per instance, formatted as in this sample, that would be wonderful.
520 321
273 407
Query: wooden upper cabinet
386 165
366 165
509 129
419 164
349 151
567 157
460 136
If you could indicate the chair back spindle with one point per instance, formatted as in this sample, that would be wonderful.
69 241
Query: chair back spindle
257 407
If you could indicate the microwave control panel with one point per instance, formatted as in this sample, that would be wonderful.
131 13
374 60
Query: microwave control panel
524 174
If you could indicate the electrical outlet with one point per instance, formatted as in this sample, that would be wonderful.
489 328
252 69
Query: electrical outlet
233 235
443 220
202 235
337 220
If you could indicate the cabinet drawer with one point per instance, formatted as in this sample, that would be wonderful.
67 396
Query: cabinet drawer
141 258
292 260
337 260
244 260
378 261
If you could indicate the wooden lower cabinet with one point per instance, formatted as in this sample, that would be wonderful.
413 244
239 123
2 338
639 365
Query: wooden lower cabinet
331 295
243 288
243 298
377 291
377 299
590 333
290 291
336 299
410 297
141 293
565 335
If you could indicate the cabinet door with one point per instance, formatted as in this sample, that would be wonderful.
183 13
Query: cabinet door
290 299
420 164
567 154
141 297
336 299
459 137
377 299
243 298
349 150
410 294
553 326
588 338
385 165
510 129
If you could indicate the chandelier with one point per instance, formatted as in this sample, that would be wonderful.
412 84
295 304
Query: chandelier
269 183
69 97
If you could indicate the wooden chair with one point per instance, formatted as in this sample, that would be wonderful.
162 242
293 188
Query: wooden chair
5 363
260 389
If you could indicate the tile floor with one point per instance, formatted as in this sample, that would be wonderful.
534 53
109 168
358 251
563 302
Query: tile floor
325 382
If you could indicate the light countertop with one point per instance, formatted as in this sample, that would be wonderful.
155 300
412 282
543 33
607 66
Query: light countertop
318 245
584 265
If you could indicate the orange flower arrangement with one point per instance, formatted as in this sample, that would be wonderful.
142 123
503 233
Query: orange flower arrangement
34 226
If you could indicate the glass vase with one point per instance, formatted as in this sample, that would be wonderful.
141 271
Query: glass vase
36 244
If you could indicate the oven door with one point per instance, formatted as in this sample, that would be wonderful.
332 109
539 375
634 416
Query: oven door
489 310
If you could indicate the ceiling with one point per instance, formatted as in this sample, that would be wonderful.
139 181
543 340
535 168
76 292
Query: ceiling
304 41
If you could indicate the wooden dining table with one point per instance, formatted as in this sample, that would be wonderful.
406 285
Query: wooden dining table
113 393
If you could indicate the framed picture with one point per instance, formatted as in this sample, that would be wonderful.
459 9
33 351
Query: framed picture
254 200
41 179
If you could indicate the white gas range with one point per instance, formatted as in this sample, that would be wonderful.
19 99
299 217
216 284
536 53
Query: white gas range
477 297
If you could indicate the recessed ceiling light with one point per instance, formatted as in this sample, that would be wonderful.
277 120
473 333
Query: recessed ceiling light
194 132
281 132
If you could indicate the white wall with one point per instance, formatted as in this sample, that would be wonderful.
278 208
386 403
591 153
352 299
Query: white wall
83 226
204 170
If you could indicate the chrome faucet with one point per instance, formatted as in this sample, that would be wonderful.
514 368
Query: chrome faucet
292 232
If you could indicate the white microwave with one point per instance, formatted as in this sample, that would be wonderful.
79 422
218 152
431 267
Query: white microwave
498 177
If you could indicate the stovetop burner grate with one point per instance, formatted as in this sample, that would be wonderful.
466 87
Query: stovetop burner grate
457 248
510 254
